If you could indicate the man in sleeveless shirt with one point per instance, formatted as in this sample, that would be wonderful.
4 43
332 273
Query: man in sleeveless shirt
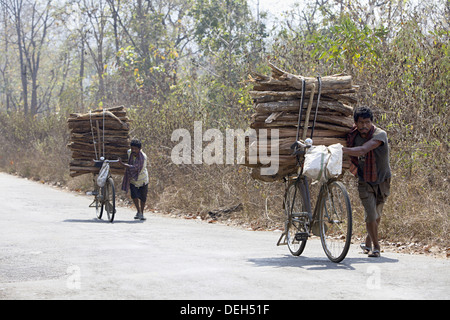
368 149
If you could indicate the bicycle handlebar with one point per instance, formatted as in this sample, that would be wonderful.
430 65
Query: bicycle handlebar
301 144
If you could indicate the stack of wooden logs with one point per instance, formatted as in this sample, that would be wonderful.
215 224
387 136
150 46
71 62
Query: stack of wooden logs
277 100
99 133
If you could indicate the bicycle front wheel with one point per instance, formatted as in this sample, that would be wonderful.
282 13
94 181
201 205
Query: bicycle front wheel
297 220
110 199
335 221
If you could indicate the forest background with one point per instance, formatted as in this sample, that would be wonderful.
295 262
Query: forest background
173 62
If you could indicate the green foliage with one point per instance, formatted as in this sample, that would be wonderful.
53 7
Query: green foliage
230 40
220 24
348 45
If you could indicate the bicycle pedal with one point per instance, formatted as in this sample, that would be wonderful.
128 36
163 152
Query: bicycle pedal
301 236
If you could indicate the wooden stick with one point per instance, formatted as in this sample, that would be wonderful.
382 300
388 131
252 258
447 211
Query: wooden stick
308 112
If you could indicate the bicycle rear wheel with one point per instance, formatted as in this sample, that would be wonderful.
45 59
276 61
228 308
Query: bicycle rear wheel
335 221
98 208
110 199
297 219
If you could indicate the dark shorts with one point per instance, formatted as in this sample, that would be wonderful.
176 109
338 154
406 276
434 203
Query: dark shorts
139 192
373 198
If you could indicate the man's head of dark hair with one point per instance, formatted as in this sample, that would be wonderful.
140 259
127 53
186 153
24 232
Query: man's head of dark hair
136 143
362 112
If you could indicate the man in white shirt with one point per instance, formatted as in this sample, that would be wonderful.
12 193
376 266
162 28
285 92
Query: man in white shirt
136 177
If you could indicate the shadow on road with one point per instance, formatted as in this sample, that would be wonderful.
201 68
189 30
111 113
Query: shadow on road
317 263
94 220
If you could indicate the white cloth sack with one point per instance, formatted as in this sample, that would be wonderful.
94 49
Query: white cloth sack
316 159
334 166
103 175
322 163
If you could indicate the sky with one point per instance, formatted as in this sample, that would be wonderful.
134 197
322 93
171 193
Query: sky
274 7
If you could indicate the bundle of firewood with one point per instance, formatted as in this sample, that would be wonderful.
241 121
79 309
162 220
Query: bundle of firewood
99 133
277 101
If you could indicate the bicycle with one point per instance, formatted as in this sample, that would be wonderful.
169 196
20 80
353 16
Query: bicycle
332 216
331 219
104 196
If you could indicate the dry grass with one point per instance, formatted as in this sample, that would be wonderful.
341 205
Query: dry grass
201 189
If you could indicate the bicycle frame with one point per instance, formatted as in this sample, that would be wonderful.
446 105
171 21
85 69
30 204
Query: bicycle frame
331 216
302 185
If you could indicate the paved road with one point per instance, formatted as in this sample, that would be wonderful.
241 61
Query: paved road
51 247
